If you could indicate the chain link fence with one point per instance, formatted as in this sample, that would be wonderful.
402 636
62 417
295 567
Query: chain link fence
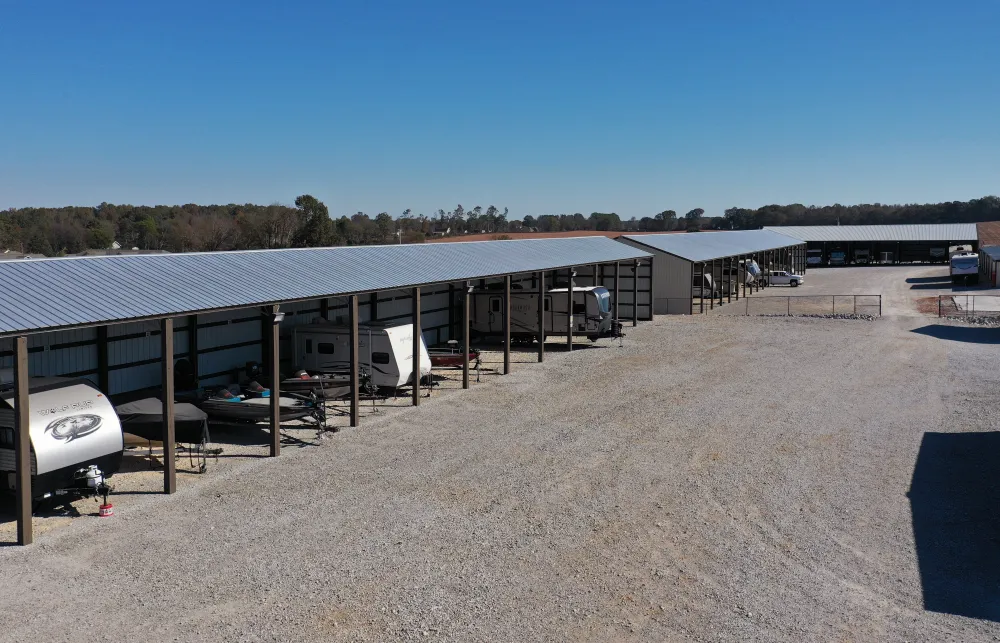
968 306
809 305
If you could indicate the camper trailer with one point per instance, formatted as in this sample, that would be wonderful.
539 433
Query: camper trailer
814 257
76 438
965 268
385 351
591 313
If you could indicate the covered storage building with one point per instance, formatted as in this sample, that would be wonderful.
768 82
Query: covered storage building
681 263
889 244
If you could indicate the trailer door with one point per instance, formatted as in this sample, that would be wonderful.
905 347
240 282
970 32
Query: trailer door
496 314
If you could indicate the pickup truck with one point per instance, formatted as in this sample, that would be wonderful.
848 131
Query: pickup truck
783 278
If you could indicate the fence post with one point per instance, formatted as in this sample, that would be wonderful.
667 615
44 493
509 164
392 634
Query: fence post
833 298
855 304
788 312
748 305
880 304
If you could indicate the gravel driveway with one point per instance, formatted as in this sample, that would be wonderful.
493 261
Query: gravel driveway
715 479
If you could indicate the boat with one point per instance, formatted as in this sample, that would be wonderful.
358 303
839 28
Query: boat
451 357
76 437
324 386
144 418
222 405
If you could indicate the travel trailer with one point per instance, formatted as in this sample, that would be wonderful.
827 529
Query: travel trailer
814 257
76 438
965 268
592 317
385 351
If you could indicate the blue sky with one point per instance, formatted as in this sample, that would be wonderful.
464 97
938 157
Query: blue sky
542 107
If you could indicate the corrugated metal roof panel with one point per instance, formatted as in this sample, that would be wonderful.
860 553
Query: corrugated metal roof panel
52 293
916 232
705 246
993 252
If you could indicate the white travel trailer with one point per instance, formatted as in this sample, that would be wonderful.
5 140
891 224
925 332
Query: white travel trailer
76 438
965 268
385 350
592 316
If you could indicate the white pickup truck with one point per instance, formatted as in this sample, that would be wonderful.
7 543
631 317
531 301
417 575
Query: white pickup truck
783 278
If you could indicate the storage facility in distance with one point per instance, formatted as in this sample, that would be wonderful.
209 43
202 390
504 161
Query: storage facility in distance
688 266
831 245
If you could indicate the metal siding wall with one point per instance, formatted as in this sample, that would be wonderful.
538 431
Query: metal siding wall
673 285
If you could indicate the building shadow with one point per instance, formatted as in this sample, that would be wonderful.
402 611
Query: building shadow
969 334
938 279
954 498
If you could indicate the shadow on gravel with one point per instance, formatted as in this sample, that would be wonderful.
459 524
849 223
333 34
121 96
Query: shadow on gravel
973 335
938 279
954 497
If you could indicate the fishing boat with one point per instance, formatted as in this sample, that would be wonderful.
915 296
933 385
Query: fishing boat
325 386
451 356
223 405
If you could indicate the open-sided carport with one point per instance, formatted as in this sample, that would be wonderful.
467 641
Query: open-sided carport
73 297
884 243
681 263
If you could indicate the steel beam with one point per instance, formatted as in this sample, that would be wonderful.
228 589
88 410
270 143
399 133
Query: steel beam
635 293
652 291
103 376
506 325
416 346
617 287
352 313
466 297
275 383
541 316
192 329
569 310
167 374
22 442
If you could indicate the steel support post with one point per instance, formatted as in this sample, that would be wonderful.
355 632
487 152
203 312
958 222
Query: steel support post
167 374
416 346
617 289
103 376
635 293
22 442
192 328
729 281
467 295
652 291
701 290
324 308
506 325
352 313
569 311
275 382
597 280
541 316
711 302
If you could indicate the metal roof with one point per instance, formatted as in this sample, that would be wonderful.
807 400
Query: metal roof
58 293
917 232
993 252
705 246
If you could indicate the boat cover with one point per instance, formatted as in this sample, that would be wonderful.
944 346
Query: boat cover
144 418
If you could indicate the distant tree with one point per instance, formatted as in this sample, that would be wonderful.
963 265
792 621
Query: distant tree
693 218
315 227
385 224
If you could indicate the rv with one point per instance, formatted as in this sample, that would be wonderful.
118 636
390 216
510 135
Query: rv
385 351
938 254
965 268
814 257
838 258
76 438
862 256
591 313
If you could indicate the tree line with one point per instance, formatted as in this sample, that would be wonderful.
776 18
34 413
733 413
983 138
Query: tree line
185 228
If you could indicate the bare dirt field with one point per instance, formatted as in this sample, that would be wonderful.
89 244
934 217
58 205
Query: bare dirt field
716 478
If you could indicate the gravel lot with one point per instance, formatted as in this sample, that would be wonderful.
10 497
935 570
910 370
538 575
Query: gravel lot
717 478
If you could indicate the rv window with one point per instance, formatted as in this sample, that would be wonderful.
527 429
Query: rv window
496 305
546 304
380 358
579 309
324 348
309 345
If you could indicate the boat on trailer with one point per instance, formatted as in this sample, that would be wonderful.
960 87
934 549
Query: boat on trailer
223 405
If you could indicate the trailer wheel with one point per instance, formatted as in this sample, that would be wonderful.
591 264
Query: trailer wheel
593 338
